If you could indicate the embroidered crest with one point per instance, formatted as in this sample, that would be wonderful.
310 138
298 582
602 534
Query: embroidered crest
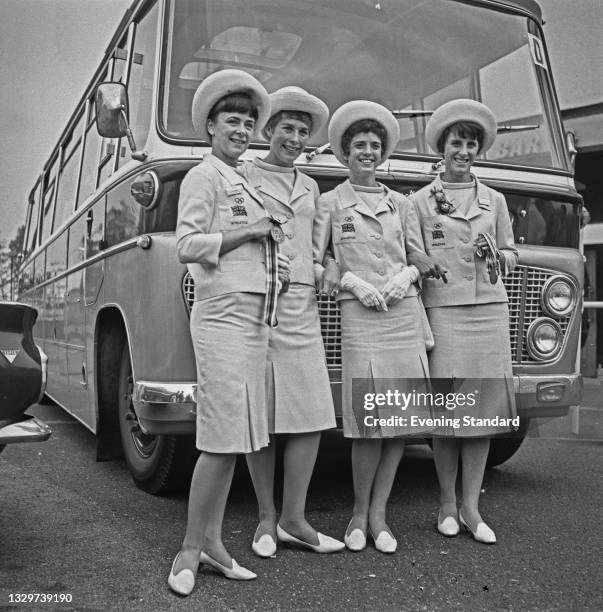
349 219
10 354
238 211
347 227
437 234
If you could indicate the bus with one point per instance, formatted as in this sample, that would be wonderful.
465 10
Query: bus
100 260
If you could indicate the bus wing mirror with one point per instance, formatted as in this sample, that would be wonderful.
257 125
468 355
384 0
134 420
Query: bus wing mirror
111 104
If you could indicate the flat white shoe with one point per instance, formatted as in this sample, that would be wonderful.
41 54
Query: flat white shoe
356 540
385 543
326 544
265 547
183 582
236 572
482 533
449 527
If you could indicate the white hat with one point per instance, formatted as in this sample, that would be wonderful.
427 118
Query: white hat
220 84
296 99
353 111
461 110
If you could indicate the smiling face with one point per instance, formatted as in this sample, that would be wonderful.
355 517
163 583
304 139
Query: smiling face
459 154
364 156
231 133
288 138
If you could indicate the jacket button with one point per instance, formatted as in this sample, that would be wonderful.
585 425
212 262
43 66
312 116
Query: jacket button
291 256
289 216
377 236
378 254
465 240
381 272
291 236
469 277
467 258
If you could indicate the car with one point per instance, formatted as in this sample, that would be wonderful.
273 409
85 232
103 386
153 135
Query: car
23 374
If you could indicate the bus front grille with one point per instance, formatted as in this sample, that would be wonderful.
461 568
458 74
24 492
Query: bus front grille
524 287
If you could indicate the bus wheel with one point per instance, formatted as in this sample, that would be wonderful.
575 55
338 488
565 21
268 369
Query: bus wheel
158 464
502 449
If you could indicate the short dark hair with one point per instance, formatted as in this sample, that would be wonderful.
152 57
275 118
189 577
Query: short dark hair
299 115
360 126
239 102
465 129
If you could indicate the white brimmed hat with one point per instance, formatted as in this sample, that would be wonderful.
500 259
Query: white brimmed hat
296 99
353 111
220 84
461 110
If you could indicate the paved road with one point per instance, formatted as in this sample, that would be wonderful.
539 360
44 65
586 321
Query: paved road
71 525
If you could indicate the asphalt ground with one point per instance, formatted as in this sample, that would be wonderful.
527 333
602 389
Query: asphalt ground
73 526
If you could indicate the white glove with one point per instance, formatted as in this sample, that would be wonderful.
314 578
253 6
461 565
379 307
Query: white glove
365 292
399 284
284 267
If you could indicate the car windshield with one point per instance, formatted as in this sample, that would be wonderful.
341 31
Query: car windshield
409 55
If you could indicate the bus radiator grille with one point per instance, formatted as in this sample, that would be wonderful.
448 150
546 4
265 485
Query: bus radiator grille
524 286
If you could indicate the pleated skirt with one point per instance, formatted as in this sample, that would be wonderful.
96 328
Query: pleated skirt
473 350
230 341
383 351
298 392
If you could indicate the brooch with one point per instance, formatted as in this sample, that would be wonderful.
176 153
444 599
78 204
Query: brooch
445 206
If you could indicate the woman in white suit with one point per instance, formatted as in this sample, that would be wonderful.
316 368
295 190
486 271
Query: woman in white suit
467 232
371 229
223 236
299 401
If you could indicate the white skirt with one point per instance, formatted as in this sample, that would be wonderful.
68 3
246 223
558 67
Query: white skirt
382 350
472 342
230 341
298 392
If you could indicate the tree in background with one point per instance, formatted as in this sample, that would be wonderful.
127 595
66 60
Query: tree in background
10 260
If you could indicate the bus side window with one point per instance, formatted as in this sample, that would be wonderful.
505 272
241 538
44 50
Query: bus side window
34 218
48 200
123 215
40 268
92 144
95 220
56 256
140 86
77 241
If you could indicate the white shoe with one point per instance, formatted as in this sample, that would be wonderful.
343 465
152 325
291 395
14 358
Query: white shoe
356 540
326 544
482 533
236 572
265 547
449 527
385 543
183 582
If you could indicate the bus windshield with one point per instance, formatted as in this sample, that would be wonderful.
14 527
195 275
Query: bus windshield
409 55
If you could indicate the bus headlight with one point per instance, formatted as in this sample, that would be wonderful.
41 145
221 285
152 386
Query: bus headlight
558 296
544 339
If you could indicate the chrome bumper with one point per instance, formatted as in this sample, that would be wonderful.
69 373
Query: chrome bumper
165 408
171 408
540 395
28 429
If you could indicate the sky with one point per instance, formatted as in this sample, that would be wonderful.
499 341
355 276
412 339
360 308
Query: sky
50 49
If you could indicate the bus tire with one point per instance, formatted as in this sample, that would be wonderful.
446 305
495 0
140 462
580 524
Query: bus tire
157 464
502 449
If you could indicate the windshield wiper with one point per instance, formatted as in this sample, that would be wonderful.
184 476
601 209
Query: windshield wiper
517 128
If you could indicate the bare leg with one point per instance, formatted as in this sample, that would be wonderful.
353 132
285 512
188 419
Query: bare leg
366 454
299 460
261 467
209 489
446 456
474 452
391 454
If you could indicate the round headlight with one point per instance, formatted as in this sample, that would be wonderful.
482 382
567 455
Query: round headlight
558 296
544 339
